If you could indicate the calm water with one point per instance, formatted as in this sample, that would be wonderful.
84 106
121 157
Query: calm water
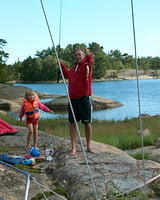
123 91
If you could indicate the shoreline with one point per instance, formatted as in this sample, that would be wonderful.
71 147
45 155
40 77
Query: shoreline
116 75
142 77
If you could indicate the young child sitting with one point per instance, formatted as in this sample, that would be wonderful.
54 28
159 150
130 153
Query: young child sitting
30 108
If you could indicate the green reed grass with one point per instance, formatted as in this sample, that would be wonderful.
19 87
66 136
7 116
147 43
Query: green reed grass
139 156
121 134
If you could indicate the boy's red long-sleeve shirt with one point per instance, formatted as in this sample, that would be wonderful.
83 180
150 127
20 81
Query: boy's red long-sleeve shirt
79 77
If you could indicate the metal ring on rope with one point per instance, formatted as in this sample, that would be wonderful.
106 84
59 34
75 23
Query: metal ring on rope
66 88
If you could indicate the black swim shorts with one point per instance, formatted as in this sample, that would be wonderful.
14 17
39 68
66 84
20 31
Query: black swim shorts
82 108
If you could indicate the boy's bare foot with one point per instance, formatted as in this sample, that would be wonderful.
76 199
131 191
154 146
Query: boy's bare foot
90 150
73 152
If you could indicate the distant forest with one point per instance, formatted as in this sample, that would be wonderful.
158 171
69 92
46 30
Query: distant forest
43 66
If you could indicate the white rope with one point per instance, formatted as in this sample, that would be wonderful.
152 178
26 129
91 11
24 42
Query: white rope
138 92
60 25
142 185
47 189
41 190
66 88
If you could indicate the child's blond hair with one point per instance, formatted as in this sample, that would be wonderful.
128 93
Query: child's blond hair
29 93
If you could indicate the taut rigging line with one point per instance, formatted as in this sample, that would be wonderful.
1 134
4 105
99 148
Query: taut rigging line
138 92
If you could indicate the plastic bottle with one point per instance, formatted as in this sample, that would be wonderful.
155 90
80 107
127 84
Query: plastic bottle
51 148
49 152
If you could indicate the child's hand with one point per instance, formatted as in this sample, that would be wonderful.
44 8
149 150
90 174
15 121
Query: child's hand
35 109
51 111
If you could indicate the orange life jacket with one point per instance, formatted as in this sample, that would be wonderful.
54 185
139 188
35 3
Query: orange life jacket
31 109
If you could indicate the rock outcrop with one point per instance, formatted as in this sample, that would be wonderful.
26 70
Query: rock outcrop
14 93
9 105
99 103
113 171
11 98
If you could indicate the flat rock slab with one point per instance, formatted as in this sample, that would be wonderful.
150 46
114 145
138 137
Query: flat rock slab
99 103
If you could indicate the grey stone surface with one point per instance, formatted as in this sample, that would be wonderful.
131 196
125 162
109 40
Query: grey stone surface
111 169
99 103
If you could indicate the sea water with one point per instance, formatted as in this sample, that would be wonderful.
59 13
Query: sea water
125 92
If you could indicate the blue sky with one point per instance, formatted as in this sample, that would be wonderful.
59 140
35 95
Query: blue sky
107 22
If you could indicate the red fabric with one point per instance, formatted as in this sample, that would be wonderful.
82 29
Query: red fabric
32 121
79 81
41 157
5 128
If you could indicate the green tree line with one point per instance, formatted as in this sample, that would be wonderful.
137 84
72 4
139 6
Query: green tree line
43 66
